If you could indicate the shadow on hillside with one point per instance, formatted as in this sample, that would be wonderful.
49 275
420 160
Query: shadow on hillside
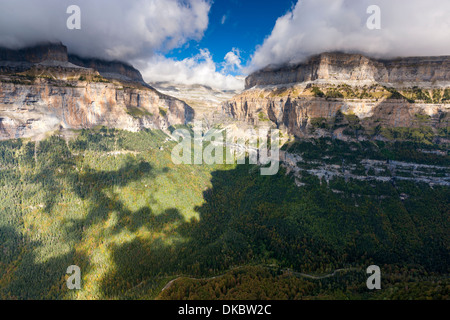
218 241
26 277
248 218
245 218
40 274
54 177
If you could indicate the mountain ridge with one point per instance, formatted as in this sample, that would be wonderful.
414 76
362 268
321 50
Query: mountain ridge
349 96
59 54
44 88
342 67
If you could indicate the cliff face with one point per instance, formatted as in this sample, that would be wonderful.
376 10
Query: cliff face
30 110
36 54
368 94
298 116
353 68
42 90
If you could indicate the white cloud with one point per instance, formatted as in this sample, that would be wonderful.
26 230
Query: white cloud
136 31
110 29
409 28
233 63
224 19
199 69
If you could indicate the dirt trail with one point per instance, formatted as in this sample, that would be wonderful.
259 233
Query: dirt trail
296 274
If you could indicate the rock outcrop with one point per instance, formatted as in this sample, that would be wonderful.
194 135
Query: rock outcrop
43 89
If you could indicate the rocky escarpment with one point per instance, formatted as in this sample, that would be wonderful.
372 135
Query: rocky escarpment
302 116
30 110
357 69
38 95
36 54
109 69
349 96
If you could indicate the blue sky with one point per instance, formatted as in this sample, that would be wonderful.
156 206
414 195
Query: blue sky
240 24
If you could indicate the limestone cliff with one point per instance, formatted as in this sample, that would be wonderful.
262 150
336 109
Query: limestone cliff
355 68
339 94
43 89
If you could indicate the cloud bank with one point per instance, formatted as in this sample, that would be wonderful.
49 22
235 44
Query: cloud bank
408 28
135 31
199 69
110 29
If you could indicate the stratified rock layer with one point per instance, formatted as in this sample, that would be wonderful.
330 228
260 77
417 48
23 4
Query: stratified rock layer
42 89
406 92
353 68
295 115
36 54
30 110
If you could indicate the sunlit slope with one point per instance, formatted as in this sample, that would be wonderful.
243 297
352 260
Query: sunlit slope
75 203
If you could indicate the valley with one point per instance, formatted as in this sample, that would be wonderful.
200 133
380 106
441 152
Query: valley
87 178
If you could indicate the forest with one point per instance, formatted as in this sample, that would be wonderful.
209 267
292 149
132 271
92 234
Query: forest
113 203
